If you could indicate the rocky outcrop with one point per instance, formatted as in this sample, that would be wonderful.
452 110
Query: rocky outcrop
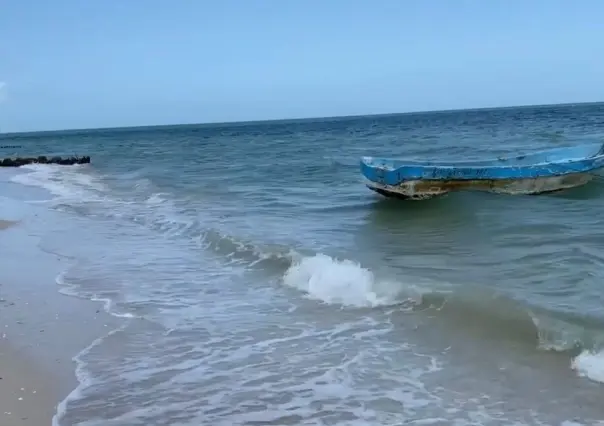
22 161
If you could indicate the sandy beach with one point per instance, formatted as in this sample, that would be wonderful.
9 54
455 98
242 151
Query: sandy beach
27 396
39 336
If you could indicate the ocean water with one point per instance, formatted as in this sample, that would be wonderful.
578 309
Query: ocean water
259 282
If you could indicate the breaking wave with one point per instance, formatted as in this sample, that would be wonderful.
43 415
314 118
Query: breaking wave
321 277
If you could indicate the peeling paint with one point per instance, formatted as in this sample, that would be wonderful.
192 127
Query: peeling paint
425 189
536 173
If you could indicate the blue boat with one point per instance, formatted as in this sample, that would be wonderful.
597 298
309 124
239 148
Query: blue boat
535 173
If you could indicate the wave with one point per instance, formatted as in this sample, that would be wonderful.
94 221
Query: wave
347 283
332 281
590 364
470 309
85 381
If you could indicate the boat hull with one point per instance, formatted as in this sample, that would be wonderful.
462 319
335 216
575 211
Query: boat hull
426 189
537 173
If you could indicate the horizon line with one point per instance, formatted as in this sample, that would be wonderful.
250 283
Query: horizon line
293 119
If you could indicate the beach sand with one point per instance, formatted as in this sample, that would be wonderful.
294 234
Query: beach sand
41 330
28 396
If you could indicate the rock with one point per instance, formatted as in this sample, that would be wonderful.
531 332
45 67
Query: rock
22 161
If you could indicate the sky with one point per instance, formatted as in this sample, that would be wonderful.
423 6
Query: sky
68 64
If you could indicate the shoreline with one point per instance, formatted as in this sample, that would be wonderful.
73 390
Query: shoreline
42 330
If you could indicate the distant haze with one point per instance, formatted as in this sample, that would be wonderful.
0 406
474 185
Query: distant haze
75 64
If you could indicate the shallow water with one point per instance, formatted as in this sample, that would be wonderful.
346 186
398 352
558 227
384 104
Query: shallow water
261 283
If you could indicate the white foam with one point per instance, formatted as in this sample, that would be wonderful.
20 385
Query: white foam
66 182
83 377
340 282
156 198
590 365
69 289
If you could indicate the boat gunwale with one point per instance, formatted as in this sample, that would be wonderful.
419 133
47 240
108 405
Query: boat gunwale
483 169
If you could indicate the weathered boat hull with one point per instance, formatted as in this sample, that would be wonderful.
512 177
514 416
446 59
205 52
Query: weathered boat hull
537 173
426 189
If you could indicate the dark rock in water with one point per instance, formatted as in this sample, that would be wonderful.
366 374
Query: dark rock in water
22 161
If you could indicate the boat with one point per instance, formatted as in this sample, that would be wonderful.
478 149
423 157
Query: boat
535 173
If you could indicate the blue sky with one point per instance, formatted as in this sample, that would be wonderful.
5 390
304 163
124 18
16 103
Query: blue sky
80 64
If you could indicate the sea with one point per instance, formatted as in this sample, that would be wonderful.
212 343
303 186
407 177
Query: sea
258 281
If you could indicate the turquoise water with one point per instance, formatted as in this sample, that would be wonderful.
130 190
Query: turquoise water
260 282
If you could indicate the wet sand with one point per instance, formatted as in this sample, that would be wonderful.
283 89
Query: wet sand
28 395
41 331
